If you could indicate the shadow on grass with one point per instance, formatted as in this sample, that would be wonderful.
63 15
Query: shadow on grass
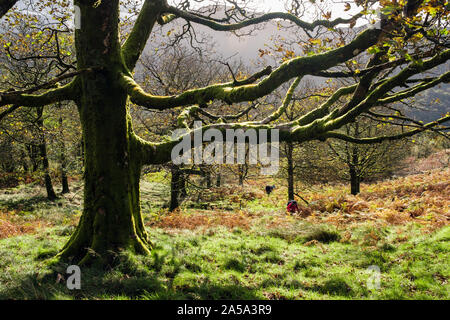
33 287
130 279
26 204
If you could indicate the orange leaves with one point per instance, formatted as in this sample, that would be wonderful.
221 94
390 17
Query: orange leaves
9 228
263 52
203 221
327 15
422 198
288 55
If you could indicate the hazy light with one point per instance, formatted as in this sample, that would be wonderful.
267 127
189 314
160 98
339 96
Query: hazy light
335 7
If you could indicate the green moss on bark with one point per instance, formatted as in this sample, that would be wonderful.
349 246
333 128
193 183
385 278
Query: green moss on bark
111 221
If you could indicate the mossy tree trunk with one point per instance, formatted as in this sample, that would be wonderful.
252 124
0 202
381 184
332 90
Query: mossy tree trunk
111 219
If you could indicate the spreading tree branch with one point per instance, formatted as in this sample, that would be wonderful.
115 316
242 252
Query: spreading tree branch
136 41
376 95
229 93
66 92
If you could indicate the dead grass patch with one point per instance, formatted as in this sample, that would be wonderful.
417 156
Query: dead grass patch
203 221
10 228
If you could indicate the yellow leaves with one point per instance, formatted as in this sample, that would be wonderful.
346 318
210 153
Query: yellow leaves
347 6
315 41
417 37
289 54
392 58
279 48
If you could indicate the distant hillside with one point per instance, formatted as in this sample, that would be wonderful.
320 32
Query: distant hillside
433 103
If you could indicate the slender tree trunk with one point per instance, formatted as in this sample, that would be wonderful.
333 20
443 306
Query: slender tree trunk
111 221
64 180
208 179
218 180
33 155
25 165
51 195
290 170
241 174
183 191
175 187
355 179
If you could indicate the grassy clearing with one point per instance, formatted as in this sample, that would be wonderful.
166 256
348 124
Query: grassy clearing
223 264
253 251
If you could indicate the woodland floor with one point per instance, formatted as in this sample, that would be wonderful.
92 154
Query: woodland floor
238 243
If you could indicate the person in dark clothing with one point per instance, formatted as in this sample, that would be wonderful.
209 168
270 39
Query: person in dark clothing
269 189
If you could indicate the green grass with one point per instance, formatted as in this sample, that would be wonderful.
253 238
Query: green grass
226 265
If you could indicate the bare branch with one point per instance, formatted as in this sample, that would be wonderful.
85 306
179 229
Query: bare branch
341 136
253 21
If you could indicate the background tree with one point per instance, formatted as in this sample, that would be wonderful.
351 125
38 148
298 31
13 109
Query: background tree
35 53
364 162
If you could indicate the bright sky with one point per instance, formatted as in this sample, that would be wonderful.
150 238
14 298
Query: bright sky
336 7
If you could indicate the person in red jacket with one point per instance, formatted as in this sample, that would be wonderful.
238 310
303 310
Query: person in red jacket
292 207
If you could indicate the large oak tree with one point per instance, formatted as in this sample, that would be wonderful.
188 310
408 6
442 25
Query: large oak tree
103 84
